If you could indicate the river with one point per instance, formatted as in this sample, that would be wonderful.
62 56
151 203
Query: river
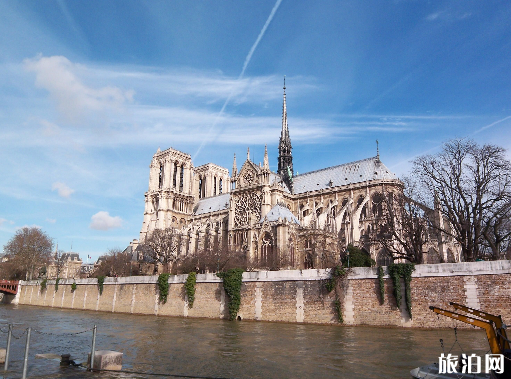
223 349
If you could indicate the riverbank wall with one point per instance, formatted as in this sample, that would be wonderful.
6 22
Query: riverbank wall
294 295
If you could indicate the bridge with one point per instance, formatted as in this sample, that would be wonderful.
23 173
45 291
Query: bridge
9 287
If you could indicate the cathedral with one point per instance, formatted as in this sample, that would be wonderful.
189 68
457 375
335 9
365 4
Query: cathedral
277 219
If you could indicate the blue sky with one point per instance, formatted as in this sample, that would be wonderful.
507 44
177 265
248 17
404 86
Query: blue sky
90 89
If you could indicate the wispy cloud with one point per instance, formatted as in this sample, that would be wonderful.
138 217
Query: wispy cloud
103 221
62 189
73 98
51 220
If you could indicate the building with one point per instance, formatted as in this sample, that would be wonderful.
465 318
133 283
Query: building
67 265
278 219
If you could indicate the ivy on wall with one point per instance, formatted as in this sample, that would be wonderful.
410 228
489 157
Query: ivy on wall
73 287
43 284
396 272
163 286
232 280
190 288
381 282
101 280
337 279
57 284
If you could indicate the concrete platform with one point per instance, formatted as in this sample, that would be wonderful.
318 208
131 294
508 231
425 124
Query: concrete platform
107 360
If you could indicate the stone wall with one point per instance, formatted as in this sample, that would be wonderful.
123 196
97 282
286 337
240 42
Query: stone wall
294 295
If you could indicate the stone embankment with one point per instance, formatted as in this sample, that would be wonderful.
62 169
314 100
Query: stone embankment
294 295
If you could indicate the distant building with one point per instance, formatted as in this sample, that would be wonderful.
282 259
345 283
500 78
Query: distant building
68 265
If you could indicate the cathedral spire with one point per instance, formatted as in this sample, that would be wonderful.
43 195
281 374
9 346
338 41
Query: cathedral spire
285 130
285 168
248 153
234 167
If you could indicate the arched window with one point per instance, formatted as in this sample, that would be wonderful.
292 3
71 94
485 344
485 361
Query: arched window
267 250
308 258
160 177
377 205
174 177
291 252
214 186
384 258
181 178
220 187
200 187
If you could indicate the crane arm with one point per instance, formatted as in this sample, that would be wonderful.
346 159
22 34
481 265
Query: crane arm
503 341
486 325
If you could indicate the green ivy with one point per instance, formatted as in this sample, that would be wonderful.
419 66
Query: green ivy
336 274
232 280
163 286
101 280
43 285
396 272
57 284
190 288
73 287
338 310
381 281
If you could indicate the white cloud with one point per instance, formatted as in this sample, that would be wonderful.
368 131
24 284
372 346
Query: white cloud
74 99
63 189
51 220
103 221
2 221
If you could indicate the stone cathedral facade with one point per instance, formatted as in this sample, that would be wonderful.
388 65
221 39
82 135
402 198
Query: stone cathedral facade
278 219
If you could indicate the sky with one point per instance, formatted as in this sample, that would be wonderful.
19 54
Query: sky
89 90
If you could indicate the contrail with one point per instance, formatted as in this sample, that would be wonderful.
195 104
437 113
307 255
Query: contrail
247 61
493 123
438 146
259 37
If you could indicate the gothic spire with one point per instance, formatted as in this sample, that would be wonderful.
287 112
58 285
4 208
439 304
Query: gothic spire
285 168
266 164
285 131
234 167
248 153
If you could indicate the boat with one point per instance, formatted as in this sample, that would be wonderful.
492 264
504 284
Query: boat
499 346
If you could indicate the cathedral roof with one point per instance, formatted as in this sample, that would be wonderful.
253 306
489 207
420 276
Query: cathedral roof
348 173
212 204
279 211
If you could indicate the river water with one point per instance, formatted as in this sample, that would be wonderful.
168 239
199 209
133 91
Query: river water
223 349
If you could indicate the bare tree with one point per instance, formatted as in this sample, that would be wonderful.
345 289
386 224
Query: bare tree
472 186
211 260
161 247
115 263
29 250
402 225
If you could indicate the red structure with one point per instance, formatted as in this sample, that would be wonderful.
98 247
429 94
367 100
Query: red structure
9 287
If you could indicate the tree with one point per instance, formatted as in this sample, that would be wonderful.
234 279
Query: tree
29 250
161 246
471 185
211 260
402 227
356 257
115 263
